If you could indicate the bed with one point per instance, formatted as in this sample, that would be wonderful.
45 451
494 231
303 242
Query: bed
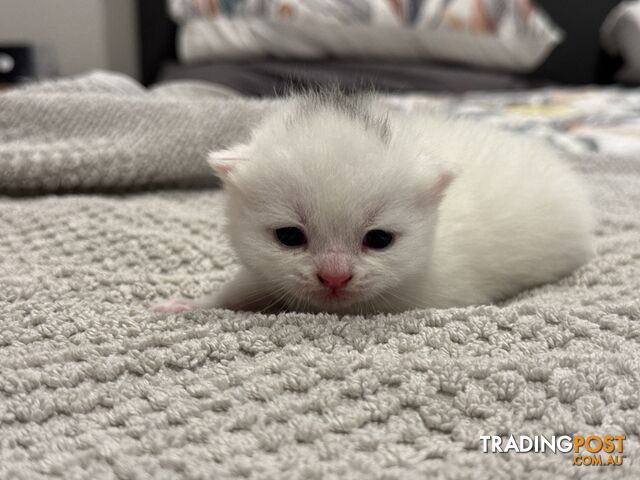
107 205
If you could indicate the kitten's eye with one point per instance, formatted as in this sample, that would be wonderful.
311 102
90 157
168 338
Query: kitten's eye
377 239
291 236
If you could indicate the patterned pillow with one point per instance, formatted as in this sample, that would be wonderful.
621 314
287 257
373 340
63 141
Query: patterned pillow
508 34
333 11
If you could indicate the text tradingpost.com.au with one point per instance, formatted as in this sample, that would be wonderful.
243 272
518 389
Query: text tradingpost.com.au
598 450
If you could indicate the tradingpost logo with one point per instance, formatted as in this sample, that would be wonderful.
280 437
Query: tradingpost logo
591 450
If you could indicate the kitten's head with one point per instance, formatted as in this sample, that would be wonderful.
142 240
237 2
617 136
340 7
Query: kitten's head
331 206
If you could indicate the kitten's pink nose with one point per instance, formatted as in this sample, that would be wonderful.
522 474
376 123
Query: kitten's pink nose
334 280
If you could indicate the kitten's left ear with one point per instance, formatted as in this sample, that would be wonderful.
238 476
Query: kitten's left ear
442 184
226 162
438 188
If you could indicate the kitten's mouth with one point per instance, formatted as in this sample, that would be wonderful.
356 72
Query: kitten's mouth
336 297
326 299
336 294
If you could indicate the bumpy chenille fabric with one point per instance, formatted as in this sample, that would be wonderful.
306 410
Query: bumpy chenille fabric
94 385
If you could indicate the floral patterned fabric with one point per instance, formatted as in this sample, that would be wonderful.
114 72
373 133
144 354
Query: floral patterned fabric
577 120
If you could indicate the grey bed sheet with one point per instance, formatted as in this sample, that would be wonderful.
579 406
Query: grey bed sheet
272 76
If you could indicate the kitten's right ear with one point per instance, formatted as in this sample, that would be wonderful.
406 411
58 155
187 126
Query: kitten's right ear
226 162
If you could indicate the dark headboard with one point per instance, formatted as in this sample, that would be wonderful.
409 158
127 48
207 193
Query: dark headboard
157 33
578 60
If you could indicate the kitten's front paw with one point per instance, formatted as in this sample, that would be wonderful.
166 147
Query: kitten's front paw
174 305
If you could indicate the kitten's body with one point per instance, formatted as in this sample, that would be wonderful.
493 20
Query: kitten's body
477 214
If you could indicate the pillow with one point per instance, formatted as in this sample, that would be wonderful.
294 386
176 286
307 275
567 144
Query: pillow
512 35
621 36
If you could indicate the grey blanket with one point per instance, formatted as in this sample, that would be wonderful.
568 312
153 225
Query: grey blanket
94 385
104 132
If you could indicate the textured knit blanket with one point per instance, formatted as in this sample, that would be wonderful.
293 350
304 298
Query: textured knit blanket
94 385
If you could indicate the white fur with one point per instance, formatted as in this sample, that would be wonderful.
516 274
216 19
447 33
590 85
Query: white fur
514 216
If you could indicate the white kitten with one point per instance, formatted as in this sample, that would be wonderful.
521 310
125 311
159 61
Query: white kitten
334 206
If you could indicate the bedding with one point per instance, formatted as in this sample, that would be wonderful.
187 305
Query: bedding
94 385
513 35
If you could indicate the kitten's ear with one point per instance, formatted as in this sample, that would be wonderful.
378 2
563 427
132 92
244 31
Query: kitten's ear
226 162
442 184
438 188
